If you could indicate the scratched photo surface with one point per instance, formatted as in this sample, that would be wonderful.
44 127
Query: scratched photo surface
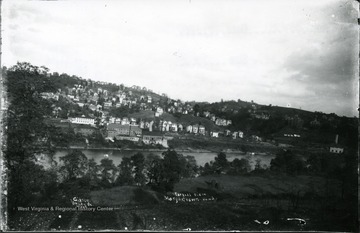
186 115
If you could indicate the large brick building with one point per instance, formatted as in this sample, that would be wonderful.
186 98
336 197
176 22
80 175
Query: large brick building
124 130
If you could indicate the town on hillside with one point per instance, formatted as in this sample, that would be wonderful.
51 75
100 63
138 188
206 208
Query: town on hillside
109 114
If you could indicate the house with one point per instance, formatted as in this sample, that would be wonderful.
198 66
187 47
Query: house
153 138
228 122
174 127
180 127
125 121
227 132
94 98
315 122
98 107
189 128
206 114
50 95
149 99
336 150
85 130
213 117
132 121
162 125
82 120
214 134
235 135
107 104
146 124
241 134
117 120
202 130
112 120
171 109
159 111
220 121
125 130
56 111
127 138
118 104
92 107
262 116
195 129
151 125
256 138
142 124
168 126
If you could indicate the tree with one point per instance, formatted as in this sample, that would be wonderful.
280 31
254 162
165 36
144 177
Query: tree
108 171
207 170
153 166
287 162
125 172
74 164
239 166
26 133
191 166
221 163
196 108
138 161
92 173
171 170
258 164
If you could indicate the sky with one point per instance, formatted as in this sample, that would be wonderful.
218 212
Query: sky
302 54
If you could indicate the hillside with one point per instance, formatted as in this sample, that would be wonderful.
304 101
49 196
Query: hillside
267 121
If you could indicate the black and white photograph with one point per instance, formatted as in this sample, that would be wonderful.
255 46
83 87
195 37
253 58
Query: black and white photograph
179 115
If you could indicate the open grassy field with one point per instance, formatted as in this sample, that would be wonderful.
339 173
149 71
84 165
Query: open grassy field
237 207
245 186
124 195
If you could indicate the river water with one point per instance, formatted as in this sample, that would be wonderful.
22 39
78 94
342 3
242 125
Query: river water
201 157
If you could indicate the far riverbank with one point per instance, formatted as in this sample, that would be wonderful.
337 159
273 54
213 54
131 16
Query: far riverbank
189 150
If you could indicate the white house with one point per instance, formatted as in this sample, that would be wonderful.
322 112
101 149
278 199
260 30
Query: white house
195 129
201 130
82 120
235 135
336 150
189 128
125 121
174 127
241 134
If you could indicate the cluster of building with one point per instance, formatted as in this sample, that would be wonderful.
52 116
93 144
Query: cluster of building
136 134
292 135
217 120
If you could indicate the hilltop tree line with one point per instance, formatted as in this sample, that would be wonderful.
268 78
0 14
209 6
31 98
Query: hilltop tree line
240 113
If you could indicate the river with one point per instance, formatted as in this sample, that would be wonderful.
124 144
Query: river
201 157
